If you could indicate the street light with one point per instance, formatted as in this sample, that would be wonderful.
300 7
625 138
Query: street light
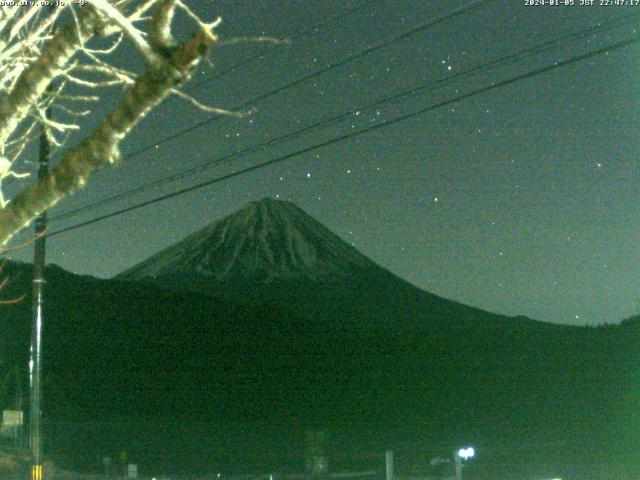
466 453
462 454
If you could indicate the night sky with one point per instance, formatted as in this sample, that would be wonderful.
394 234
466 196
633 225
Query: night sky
520 200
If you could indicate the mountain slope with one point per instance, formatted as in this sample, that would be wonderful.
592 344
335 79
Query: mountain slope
311 334
266 240
411 357
177 378
272 252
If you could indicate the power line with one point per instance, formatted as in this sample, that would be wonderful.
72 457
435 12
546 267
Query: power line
292 37
372 128
332 66
501 62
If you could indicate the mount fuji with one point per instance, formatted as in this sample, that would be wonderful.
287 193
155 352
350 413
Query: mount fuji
364 345
230 344
272 252
265 241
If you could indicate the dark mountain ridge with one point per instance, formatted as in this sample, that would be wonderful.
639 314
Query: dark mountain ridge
272 252
231 381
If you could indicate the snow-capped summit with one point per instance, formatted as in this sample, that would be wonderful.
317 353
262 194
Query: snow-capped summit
266 240
271 252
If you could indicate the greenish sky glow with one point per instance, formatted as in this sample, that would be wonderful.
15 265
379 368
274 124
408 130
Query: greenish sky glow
522 200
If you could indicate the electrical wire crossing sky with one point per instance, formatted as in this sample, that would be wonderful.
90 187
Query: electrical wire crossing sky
483 150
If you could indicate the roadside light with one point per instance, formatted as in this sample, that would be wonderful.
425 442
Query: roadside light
466 453
460 455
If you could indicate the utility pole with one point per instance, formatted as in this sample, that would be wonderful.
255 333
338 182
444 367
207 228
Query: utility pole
37 306
35 360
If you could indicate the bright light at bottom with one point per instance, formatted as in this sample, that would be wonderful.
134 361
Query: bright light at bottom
466 453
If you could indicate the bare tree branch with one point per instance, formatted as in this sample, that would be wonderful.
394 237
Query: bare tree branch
44 66
34 81
101 148
129 30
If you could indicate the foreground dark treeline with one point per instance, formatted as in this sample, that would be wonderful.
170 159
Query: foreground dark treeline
188 382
